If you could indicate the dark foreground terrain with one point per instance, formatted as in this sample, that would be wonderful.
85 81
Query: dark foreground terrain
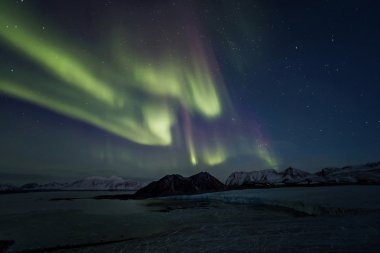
309 219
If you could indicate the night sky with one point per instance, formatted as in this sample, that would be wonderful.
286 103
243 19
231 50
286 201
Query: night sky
141 89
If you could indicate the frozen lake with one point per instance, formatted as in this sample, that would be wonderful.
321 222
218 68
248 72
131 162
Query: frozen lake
313 219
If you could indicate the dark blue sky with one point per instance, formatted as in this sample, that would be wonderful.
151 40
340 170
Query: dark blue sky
297 82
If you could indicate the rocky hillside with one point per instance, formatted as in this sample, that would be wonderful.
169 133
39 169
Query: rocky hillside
179 185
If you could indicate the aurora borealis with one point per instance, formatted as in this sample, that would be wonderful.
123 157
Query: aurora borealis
145 88
145 122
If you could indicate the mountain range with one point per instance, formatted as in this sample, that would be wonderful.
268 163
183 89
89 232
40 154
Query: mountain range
363 174
94 183
203 182
174 185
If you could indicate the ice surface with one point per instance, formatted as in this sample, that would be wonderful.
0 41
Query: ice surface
311 200
255 220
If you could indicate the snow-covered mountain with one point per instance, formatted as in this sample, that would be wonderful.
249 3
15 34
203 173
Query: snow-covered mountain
362 174
367 173
103 183
291 175
93 183
254 177
7 187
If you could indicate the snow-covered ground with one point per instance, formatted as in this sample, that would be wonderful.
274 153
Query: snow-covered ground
344 219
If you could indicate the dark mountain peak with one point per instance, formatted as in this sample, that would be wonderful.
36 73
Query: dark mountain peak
326 171
178 185
201 175
294 173
289 170
204 182
171 177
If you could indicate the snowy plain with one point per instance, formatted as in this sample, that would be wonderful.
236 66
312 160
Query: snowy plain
299 219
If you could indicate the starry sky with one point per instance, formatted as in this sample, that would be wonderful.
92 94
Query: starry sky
141 89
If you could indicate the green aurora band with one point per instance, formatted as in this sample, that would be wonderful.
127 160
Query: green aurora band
139 98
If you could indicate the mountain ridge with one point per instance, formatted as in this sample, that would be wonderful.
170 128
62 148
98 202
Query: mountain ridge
174 184
368 173
92 183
